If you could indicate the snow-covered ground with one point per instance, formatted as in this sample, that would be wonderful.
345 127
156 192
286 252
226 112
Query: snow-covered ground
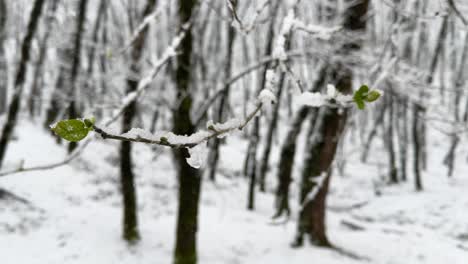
75 212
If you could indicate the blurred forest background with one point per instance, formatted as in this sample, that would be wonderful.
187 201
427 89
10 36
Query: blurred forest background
295 183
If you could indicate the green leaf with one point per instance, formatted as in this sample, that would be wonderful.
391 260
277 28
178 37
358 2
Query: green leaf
362 91
360 96
72 130
372 96
89 122
360 103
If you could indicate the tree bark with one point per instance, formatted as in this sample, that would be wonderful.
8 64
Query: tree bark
288 151
3 62
73 111
392 168
35 97
127 178
328 131
189 178
251 157
15 105
214 155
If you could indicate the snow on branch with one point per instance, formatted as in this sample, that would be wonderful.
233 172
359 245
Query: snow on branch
169 139
246 28
290 23
143 85
195 143
142 27
333 98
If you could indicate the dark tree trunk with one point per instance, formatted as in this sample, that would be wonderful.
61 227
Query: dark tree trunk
90 84
189 178
127 178
417 148
15 104
286 163
3 62
214 155
450 157
272 126
403 137
327 133
251 157
392 168
35 97
103 59
253 167
288 151
73 82
368 143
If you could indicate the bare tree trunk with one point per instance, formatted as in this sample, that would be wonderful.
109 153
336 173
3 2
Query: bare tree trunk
15 104
90 83
224 101
73 111
254 137
288 151
127 178
328 131
377 123
286 163
416 148
35 97
189 178
251 157
3 62
403 137
393 172
450 157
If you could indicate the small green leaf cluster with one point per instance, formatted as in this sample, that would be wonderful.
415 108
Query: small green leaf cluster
74 130
363 95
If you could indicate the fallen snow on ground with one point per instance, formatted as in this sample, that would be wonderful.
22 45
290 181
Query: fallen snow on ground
75 212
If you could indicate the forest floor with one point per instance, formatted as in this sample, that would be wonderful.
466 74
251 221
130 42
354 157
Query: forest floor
74 214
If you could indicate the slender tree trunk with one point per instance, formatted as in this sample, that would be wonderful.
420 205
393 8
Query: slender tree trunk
450 157
103 59
251 157
377 123
35 97
90 83
416 148
253 167
15 104
286 163
403 138
73 111
127 178
214 155
393 172
189 178
3 62
272 126
288 150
